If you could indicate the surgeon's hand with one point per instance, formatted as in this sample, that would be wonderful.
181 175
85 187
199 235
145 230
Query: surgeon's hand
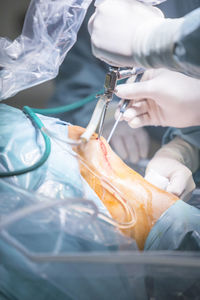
172 166
130 144
118 27
162 98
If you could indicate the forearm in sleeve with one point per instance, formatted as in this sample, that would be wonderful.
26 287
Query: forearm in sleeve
175 45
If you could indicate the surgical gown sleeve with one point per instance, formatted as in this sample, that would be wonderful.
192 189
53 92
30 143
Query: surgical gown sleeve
49 31
190 135
175 45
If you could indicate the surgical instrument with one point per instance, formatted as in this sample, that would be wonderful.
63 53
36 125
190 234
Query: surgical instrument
111 79
110 84
123 108
114 74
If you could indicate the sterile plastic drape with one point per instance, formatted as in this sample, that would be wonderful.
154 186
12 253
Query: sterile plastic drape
49 31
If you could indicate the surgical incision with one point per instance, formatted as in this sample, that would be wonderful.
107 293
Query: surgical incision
120 187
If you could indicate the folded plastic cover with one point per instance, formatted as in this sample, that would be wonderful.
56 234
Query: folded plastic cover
49 31
35 242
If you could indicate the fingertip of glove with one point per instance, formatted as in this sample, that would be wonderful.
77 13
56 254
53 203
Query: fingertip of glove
120 90
136 122
129 114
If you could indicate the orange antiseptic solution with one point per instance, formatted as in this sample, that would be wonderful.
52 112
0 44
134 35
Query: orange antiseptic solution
117 185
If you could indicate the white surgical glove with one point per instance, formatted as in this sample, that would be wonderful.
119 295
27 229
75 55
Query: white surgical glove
162 98
120 28
172 166
130 144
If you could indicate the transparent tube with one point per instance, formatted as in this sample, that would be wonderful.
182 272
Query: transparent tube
49 31
129 211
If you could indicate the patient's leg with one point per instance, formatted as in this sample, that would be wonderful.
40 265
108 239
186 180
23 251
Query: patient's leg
115 183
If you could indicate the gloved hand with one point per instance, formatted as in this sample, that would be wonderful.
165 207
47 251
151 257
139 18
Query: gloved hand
172 166
130 144
119 29
164 98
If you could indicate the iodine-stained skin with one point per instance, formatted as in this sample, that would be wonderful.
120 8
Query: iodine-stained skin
117 186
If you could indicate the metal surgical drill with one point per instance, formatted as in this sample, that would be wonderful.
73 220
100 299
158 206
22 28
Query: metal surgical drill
98 117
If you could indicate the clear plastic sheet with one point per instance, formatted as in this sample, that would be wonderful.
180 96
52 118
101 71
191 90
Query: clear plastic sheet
49 31
54 252
37 234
